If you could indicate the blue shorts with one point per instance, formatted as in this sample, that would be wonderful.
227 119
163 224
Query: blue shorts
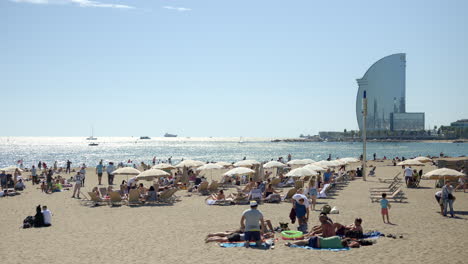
252 236
313 192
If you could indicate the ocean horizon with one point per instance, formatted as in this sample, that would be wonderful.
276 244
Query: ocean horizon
230 149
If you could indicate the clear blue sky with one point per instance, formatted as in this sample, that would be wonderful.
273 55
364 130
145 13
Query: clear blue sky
220 68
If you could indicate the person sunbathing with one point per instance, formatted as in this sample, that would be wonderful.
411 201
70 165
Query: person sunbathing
333 242
96 191
216 197
231 236
326 228
352 231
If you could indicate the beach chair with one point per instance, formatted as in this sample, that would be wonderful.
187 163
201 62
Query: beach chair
167 196
256 194
213 187
306 178
115 198
391 187
289 194
324 191
203 188
134 197
95 199
103 191
387 190
275 181
396 178
298 184
397 195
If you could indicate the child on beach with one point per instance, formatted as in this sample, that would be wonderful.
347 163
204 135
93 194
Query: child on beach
385 205
302 214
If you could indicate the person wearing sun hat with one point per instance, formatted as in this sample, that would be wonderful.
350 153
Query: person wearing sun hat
252 224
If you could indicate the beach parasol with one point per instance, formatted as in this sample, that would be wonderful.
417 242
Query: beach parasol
326 164
423 159
224 164
300 162
163 166
210 167
301 172
128 171
239 171
273 164
350 160
410 162
151 174
314 167
189 164
246 163
11 169
442 173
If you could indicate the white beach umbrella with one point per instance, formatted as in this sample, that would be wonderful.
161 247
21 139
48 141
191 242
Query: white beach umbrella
151 174
442 173
11 169
350 160
239 171
127 171
246 163
410 162
326 164
210 166
163 166
301 172
423 159
224 164
189 164
314 167
273 164
300 162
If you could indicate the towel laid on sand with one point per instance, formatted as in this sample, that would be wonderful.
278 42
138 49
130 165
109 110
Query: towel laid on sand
371 235
324 249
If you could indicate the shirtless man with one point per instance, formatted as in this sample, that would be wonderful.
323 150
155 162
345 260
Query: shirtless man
326 228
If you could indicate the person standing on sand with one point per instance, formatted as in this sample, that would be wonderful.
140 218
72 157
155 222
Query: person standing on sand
77 187
99 169
68 170
408 174
83 174
110 176
448 198
34 175
252 224
385 205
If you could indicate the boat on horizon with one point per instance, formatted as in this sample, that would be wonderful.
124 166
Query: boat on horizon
93 144
92 134
169 135
145 137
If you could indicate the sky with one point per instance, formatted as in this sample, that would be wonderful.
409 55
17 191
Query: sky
220 68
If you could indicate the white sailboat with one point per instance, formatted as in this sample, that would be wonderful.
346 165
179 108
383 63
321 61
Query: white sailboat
241 140
92 135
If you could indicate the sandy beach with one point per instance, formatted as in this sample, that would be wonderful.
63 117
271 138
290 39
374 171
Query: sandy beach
176 233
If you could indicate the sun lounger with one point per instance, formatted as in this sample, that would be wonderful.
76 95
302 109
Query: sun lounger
392 179
167 196
203 188
397 195
256 194
115 198
134 197
95 199
289 194
323 192
213 187
275 181
298 184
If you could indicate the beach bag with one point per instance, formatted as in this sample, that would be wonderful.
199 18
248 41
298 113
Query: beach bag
326 209
334 210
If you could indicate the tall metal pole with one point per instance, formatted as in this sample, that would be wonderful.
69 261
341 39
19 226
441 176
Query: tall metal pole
364 135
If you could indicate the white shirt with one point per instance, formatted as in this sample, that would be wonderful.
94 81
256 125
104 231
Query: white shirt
131 181
299 196
408 172
47 217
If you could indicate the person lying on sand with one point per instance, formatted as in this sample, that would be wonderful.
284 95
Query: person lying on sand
333 242
231 236
216 197
326 228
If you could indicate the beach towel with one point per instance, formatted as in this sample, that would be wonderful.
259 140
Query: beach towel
265 245
323 249
371 235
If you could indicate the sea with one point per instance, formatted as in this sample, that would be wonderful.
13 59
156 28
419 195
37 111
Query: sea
31 150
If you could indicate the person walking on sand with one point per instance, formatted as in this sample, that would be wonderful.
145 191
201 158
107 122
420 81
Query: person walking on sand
34 174
99 169
83 174
77 187
408 174
110 170
252 224
385 205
